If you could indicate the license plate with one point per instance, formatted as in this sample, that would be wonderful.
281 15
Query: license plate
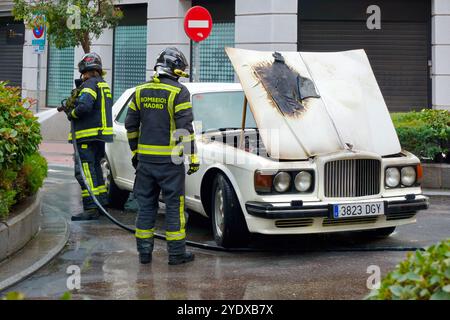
346 210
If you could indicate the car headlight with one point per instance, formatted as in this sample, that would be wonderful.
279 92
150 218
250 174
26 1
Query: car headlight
408 176
303 181
282 181
392 177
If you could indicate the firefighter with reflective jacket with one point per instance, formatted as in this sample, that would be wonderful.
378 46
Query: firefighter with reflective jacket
160 133
92 121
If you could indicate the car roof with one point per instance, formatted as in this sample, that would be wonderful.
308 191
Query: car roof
201 87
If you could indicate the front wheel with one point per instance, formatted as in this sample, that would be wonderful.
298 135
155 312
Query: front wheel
116 196
228 223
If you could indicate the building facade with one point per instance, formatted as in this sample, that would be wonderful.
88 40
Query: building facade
407 42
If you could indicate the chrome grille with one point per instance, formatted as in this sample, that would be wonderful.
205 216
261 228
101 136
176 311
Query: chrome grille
352 178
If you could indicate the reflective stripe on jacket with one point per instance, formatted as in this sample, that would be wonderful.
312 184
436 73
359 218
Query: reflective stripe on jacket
93 112
159 121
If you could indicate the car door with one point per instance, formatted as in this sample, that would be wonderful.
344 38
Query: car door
213 111
193 182
124 172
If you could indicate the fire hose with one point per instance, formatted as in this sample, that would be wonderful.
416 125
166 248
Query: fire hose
120 224
189 242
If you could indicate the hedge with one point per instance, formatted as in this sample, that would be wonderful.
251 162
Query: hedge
22 168
425 133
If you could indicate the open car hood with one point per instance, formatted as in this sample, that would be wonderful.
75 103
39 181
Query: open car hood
309 103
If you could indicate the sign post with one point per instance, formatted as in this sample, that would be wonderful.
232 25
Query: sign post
198 26
38 43
196 62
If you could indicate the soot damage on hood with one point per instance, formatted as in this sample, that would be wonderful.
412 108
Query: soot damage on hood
287 87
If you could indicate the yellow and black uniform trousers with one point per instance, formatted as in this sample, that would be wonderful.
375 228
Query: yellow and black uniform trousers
91 154
92 121
160 133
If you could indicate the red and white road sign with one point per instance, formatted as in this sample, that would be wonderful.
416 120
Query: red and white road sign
38 36
197 23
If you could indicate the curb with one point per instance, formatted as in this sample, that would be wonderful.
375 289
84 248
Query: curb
17 231
41 262
436 192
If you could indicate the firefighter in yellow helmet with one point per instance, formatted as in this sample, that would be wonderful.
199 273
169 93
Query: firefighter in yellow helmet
92 121
160 134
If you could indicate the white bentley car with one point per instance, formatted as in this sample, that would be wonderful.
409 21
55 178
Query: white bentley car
304 144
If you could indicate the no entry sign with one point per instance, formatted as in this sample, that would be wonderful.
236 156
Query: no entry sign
197 23
38 37
38 32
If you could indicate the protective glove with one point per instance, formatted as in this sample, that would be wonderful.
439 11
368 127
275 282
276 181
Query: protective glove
194 164
134 161
70 117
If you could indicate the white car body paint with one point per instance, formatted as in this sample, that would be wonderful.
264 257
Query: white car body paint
241 176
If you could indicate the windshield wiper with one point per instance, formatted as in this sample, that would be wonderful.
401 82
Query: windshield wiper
226 129
220 129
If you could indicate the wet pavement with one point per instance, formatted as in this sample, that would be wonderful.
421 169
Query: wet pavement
57 152
313 267
49 241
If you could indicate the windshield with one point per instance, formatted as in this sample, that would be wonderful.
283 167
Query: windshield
216 110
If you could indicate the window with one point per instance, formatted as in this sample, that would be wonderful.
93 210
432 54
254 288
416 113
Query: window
123 113
130 51
217 110
60 75
214 63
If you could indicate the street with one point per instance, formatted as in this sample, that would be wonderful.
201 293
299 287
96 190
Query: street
309 267
237 151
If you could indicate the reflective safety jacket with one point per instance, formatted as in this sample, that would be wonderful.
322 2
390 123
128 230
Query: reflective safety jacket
159 121
93 112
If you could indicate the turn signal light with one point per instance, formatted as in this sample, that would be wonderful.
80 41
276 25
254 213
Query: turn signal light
263 182
419 170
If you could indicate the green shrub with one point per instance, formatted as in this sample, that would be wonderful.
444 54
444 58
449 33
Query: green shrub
34 171
424 275
19 131
8 191
22 168
7 199
15 186
425 133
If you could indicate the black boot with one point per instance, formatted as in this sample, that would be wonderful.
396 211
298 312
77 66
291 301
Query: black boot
145 258
86 215
179 259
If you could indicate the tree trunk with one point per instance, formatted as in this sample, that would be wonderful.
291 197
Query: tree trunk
86 43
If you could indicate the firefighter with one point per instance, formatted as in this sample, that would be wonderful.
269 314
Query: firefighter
92 120
160 134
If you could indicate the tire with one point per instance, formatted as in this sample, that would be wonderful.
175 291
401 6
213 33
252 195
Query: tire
228 222
378 233
116 196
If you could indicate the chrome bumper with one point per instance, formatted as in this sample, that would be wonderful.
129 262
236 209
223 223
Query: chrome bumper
298 209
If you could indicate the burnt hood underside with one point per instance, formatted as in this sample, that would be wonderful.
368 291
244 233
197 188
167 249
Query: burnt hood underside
286 87
307 104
